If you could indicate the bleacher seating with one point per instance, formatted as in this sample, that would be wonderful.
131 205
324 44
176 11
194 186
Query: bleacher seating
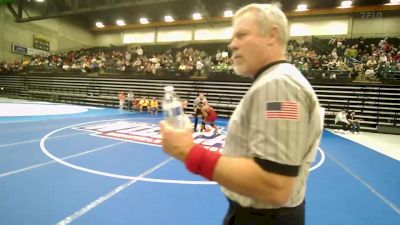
375 104
395 76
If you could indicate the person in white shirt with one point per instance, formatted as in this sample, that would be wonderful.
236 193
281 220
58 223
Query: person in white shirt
341 119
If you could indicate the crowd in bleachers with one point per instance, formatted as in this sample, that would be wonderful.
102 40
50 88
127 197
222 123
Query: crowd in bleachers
356 59
11 67
130 60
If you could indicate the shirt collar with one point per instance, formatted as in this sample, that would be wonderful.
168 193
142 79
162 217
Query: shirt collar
266 67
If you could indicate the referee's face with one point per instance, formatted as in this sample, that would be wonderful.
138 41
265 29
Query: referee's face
249 46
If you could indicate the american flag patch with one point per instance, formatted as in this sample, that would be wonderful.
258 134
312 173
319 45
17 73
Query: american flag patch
282 110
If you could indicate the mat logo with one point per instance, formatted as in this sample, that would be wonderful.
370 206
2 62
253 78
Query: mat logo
147 133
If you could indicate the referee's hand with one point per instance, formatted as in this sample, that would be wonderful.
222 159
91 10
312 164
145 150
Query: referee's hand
176 142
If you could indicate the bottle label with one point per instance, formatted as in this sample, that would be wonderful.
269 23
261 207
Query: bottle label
172 112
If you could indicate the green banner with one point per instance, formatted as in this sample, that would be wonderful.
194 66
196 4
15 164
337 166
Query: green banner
7 1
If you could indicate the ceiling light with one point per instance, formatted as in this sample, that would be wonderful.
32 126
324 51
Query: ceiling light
39 0
393 2
228 13
120 23
301 8
99 25
144 20
345 4
197 16
169 19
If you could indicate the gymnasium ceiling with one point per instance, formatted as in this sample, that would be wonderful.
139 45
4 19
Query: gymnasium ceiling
88 12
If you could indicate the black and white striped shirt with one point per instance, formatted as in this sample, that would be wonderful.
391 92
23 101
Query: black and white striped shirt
277 121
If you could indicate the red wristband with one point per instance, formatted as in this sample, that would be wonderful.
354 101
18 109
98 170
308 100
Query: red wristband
201 161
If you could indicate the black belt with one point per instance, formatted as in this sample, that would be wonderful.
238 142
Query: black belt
239 215
266 212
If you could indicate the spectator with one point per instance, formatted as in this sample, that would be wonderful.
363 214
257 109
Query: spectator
153 109
353 53
128 55
371 63
139 51
370 74
199 65
332 42
121 98
143 104
383 57
382 42
341 120
354 122
224 54
334 53
397 57
218 56
135 103
129 98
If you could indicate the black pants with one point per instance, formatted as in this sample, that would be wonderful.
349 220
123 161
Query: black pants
344 125
238 215
129 105
355 127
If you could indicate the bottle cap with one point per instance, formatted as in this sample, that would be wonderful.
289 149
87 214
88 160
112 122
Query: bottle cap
168 88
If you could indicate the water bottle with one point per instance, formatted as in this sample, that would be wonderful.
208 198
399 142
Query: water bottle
172 108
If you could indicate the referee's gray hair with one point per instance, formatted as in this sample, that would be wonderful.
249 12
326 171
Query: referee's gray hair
267 15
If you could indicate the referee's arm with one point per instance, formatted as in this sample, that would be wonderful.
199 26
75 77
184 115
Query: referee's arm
239 174
245 176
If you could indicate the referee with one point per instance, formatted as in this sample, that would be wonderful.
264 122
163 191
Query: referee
273 133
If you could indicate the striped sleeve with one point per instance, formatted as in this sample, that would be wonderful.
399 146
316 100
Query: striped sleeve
279 125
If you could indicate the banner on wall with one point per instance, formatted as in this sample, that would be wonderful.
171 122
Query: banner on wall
19 49
27 51
41 42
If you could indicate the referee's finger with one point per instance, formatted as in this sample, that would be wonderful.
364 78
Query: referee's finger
166 129
163 125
